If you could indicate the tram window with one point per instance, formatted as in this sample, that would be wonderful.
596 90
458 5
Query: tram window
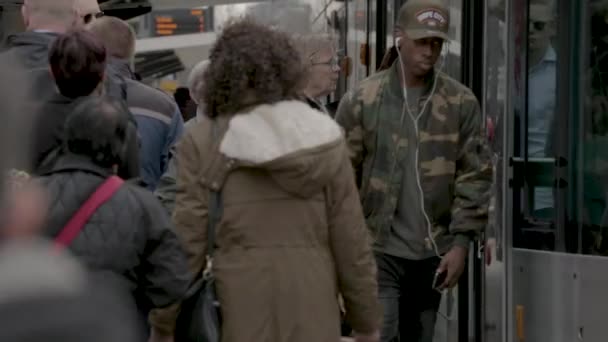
592 183
355 36
392 11
494 105
452 51
536 228
575 129
542 73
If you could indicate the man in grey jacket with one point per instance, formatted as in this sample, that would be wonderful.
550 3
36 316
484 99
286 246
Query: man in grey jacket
165 190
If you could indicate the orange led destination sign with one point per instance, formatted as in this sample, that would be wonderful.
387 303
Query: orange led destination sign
182 21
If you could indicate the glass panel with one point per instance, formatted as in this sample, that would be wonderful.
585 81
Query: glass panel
495 64
535 226
392 11
372 15
494 104
563 160
452 54
588 202
357 38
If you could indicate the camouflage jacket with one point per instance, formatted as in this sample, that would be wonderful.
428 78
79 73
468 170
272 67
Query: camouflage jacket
454 158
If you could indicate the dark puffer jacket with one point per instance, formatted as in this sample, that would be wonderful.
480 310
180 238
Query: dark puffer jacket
128 240
28 53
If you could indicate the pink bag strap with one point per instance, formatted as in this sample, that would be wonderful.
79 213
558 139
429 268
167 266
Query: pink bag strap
101 195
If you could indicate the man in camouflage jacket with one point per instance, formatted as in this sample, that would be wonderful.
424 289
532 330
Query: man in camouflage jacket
424 171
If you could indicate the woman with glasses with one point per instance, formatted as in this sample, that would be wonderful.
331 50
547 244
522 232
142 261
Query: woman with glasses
322 66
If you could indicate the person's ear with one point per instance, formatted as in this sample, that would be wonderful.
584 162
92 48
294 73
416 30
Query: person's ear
398 34
25 15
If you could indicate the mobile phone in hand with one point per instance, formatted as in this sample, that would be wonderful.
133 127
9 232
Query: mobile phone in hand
439 279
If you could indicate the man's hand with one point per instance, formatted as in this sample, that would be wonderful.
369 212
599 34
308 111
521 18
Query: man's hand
374 337
26 211
452 263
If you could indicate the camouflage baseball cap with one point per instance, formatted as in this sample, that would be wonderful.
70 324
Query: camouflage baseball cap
420 19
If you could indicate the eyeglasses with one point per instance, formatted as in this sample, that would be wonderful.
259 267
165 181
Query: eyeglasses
334 62
538 25
87 18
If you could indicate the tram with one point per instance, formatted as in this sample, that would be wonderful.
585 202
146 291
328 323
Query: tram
536 67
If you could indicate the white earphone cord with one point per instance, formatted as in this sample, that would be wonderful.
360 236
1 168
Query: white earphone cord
415 121
447 316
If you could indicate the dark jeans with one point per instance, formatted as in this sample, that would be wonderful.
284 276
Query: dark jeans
410 303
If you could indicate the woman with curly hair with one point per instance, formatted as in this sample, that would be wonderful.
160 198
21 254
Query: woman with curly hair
292 234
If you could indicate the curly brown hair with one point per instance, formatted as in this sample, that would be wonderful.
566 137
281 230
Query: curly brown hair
251 64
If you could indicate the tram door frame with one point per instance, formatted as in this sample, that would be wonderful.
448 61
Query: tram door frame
471 286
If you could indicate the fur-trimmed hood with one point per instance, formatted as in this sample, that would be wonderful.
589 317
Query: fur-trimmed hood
300 146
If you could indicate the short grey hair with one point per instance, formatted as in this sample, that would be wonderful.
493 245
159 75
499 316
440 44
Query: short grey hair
117 36
310 44
196 81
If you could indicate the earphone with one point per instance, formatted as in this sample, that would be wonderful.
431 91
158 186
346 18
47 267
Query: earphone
406 108
450 295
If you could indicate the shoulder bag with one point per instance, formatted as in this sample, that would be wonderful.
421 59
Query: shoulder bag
199 319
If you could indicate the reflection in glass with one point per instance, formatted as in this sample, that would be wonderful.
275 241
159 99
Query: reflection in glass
495 88
542 74
586 150
535 227
392 11
356 32
493 108
593 216
452 52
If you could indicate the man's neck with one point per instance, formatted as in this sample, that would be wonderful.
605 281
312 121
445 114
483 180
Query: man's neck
536 56
122 65
411 81
414 81
49 29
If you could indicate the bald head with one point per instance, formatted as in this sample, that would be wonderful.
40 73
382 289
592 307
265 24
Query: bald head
117 36
56 15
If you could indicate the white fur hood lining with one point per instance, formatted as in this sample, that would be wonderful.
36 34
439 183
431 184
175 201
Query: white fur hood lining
270 132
